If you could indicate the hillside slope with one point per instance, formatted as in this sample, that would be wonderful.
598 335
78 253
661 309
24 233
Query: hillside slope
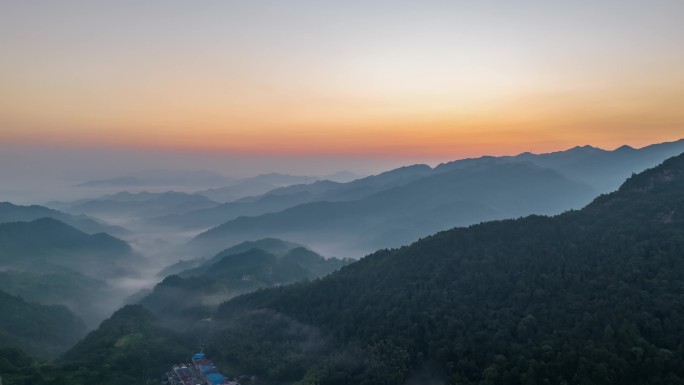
184 299
47 245
43 331
16 213
589 297
391 218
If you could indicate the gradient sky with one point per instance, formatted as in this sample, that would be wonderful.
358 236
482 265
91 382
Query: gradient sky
403 80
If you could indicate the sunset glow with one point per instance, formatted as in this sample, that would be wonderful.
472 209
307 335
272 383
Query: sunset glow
415 79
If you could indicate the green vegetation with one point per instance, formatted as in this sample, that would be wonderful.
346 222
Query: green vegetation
81 294
52 263
48 245
130 347
181 300
43 331
17 368
587 297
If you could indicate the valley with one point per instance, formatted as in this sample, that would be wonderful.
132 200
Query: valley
265 304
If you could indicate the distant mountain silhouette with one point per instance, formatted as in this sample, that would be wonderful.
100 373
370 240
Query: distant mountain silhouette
589 297
209 217
200 265
603 170
15 213
254 186
161 178
290 196
48 245
342 176
402 205
274 246
136 205
418 208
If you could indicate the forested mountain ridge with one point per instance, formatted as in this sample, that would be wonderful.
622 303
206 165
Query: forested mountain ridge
46 245
604 170
594 296
422 206
137 205
16 213
587 297
285 197
396 207
184 299
43 331
129 347
89 298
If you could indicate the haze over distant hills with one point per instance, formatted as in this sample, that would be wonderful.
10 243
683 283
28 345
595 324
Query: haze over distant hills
49 245
136 205
16 213
590 296
208 183
163 208
183 299
50 262
602 169
91 299
399 206
254 186
162 178
285 197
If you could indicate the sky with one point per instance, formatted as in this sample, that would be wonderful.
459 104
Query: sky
309 87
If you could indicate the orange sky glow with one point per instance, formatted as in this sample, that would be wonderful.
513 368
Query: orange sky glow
434 82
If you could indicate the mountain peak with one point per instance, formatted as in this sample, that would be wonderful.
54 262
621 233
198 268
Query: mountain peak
51 223
624 148
585 148
668 173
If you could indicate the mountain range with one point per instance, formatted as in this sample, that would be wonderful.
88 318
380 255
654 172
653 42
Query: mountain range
161 178
184 298
588 296
396 207
126 205
286 197
40 330
591 296
89 298
15 213
49 262
48 245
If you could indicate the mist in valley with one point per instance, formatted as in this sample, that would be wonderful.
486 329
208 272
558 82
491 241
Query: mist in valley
326 193
191 250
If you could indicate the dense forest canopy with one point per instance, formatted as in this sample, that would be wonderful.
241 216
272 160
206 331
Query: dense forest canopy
592 296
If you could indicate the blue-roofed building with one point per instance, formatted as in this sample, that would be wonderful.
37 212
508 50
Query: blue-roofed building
201 372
